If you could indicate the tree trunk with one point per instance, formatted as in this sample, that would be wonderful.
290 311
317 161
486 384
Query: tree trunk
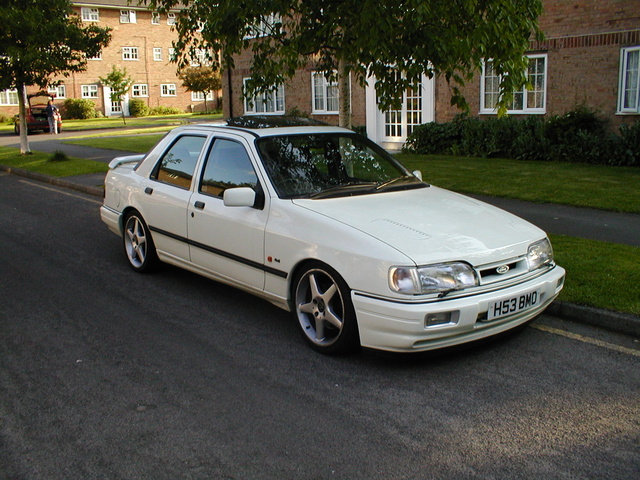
22 120
344 94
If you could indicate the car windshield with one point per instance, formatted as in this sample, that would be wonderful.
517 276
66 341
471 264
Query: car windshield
331 165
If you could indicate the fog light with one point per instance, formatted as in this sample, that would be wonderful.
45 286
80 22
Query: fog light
435 319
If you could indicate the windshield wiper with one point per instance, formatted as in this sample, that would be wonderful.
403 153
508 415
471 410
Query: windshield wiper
401 182
344 189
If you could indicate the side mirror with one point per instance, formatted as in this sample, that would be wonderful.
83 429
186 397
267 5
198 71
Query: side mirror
239 197
418 174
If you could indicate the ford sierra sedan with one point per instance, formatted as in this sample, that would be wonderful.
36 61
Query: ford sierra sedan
327 225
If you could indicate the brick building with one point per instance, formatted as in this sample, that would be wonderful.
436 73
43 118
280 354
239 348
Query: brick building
590 56
142 43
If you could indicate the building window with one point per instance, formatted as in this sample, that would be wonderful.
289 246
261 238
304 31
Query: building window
171 18
199 96
97 57
140 90
325 94
127 16
130 53
155 18
629 92
168 90
530 99
90 14
9 97
269 102
59 92
265 26
89 91
157 54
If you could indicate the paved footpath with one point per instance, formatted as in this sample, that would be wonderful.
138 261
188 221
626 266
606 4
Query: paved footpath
622 228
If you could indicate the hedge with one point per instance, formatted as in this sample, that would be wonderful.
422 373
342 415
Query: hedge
578 136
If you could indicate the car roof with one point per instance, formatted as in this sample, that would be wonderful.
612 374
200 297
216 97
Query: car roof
270 125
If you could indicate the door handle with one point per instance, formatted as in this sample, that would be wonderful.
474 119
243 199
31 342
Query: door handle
148 190
199 205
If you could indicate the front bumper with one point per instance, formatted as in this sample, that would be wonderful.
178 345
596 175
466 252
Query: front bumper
400 327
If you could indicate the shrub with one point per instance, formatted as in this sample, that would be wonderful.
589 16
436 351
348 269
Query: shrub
577 136
162 110
58 156
138 107
80 108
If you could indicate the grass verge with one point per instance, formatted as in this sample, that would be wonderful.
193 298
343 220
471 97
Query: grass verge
599 274
42 163
133 143
593 186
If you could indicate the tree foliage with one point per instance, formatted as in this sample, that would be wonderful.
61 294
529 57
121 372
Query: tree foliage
119 82
202 79
41 39
395 41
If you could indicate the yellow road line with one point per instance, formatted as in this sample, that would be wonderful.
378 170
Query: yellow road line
592 341
61 191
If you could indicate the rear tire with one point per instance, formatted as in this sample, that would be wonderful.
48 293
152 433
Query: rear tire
138 244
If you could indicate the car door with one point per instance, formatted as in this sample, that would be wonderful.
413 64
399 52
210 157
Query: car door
165 197
228 241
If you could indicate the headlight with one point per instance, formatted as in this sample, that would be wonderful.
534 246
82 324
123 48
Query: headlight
443 277
539 254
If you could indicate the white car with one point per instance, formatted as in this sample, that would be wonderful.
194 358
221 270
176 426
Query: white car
324 223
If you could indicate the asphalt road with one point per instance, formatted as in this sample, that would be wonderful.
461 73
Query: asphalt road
108 374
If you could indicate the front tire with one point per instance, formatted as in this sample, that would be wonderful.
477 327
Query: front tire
138 244
322 306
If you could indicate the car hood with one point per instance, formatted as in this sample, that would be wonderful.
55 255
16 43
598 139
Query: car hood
431 225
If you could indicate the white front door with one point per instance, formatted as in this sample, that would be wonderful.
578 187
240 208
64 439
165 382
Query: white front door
391 128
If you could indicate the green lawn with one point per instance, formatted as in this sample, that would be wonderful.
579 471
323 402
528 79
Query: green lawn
595 186
599 274
41 163
132 143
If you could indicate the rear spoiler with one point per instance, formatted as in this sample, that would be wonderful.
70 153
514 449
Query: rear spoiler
116 162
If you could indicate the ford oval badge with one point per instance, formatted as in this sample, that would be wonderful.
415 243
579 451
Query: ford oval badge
502 269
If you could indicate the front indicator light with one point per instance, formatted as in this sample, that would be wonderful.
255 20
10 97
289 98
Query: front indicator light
440 318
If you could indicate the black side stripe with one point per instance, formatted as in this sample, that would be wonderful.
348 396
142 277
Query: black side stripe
222 253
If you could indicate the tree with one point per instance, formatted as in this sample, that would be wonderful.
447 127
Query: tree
393 41
119 83
201 79
41 39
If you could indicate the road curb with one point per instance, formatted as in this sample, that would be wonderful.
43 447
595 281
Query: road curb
57 181
615 321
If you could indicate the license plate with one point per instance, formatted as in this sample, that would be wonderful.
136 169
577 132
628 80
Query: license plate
509 306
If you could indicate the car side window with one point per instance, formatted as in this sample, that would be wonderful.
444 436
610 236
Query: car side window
178 163
228 166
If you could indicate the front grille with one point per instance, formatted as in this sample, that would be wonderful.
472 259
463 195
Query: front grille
501 271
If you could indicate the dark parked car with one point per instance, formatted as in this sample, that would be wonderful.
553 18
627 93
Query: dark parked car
37 114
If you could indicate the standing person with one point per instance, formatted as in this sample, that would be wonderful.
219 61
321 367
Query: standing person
52 117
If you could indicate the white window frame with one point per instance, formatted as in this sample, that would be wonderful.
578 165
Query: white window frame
320 94
172 54
89 91
128 16
525 92
9 97
199 96
629 81
155 18
269 103
168 90
59 91
157 54
171 18
130 53
89 14
139 90
264 26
